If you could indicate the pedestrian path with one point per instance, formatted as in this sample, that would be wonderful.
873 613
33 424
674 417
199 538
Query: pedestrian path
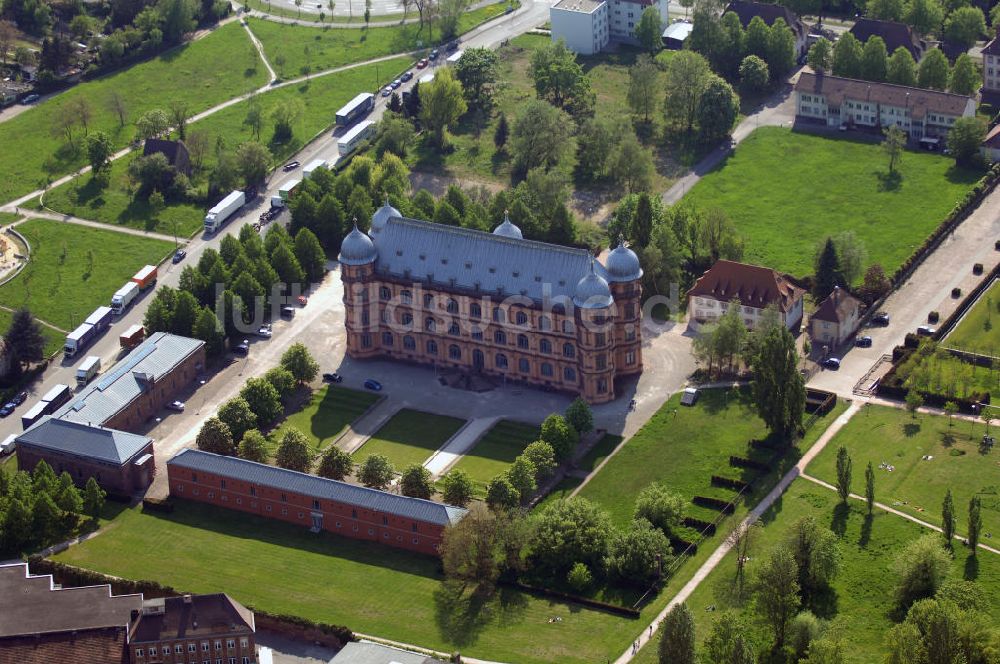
456 446
363 428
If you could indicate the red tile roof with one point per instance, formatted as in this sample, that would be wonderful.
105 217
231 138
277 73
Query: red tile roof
752 285
837 307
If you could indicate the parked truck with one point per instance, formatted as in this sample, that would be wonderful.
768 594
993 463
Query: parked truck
123 297
100 319
34 414
223 210
287 190
132 337
145 278
88 369
56 397
313 165
78 339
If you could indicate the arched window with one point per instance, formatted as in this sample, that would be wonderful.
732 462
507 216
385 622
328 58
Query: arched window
568 327
454 352
546 369
452 306
569 374
406 296
501 361
499 315
429 324
475 310
409 343
387 338
432 347
522 318
428 299
522 341
407 318
500 337
544 323
569 350
545 346
453 329
524 366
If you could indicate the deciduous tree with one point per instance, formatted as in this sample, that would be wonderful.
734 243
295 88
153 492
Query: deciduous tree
376 472
776 596
780 50
921 568
501 495
335 464
870 487
482 546
569 531
820 56
844 464
93 499
677 636
253 447
778 387
457 488
649 30
924 15
542 457
557 432
948 519
99 151
686 76
660 507
215 437
541 137
293 451
964 26
874 59
847 56
643 87
416 482
238 416
965 80
902 68
478 70
442 104
264 400
975 524
964 139
754 75
933 70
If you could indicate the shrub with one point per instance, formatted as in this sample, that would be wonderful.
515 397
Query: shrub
933 317
977 268
956 292
579 578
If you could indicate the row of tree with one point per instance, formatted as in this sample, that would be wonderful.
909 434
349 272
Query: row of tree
726 45
956 21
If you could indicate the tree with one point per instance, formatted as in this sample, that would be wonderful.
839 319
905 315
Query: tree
281 380
293 451
727 638
541 136
950 408
264 400
820 55
732 47
875 284
632 164
24 340
557 432
310 255
8 36
335 464
99 151
975 523
299 361
501 133
208 329
817 555
754 75
933 70
964 26
924 15
542 458
777 592
921 568
649 30
913 401
825 651
707 34
874 59
780 50
569 531
827 271
948 519
660 507
717 109
686 76
93 499
215 437
677 638
253 161
902 68
238 416
285 114
643 86
416 482
803 630
870 487
847 56
559 79
375 472
457 488
179 117
638 554
579 577
151 124
885 10
758 36
442 104
579 416
964 139
501 494
851 255
843 474
478 70
964 77
482 546
45 518
253 447
67 497
778 387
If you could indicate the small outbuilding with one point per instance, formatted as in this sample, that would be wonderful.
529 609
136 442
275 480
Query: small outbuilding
836 319
676 34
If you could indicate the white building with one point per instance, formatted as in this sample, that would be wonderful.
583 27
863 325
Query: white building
991 71
751 287
836 318
589 25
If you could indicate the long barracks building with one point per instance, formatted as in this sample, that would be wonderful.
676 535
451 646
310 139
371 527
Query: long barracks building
492 303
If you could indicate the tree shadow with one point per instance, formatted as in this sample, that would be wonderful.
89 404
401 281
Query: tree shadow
948 439
460 616
971 571
866 531
911 429
824 603
889 181
838 524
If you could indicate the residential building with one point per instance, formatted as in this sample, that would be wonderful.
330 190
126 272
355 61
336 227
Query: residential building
836 319
176 153
770 12
310 501
991 72
492 304
589 25
368 652
121 462
751 287
990 147
836 101
892 33
193 629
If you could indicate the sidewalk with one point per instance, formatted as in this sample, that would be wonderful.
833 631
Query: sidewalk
361 430
459 444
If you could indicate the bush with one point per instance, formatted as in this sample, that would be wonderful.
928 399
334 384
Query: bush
729 483
933 317
714 504
977 269
579 578
956 292
921 567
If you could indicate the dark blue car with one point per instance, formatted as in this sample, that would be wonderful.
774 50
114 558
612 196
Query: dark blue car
373 385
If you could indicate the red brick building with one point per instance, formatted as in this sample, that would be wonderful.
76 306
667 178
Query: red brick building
492 303
193 629
312 502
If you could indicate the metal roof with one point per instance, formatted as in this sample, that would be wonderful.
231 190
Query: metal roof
156 356
367 652
318 487
84 440
454 257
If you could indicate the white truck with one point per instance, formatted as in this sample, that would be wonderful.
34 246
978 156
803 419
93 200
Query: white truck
88 369
223 210
123 297
313 165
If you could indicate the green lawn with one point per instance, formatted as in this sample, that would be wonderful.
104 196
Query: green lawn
366 586
8 217
978 331
787 191
862 592
496 450
201 74
53 339
410 436
936 371
599 452
75 269
327 413
8 466
882 435
563 489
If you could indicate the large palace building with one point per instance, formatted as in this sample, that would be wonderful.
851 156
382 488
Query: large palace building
492 303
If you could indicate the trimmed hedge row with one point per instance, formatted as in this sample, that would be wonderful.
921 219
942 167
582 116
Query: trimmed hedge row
163 505
683 546
766 444
714 504
699 525
729 483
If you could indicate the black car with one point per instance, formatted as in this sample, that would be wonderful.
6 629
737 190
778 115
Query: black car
290 166
452 46
406 77
242 348
832 363
434 54
863 342
881 318
19 398
179 256
6 410
333 377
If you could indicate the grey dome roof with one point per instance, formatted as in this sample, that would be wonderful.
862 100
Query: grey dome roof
507 229
622 264
382 215
592 291
357 249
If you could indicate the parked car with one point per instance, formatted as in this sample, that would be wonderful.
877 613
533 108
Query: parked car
926 331
30 99
179 255
333 377
452 45
863 342
434 54
176 406
19 398
264 332
386 91
7 409
373 385
287 312
842 127
406 77
290 166
509 10
881 318
832 363
395 84
242 348
302 300
421 63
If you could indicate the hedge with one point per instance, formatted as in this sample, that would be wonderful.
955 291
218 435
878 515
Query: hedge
729 483
163 505
699 525
714 504
682 546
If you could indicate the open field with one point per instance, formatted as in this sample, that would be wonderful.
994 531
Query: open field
327 413
8 217
786 192
367 586
862 597
600 451
199 74
496 450
891 436
979 329
75 269
410 436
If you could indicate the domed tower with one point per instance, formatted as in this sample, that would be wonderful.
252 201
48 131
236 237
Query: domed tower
594 336
625 280
508 229
382 217
357 270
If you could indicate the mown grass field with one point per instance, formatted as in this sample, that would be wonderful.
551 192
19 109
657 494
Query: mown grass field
496 450
979 329
75 269
410 436
8 217
891 436
201 74
862 600
327 413
786 192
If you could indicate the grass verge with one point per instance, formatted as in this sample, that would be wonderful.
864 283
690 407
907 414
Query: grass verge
410 436
496 450
326 415
977 331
